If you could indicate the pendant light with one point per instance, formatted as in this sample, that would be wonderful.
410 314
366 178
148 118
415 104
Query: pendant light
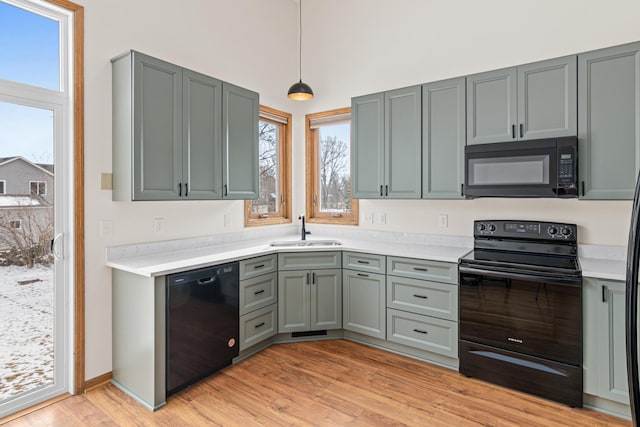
300 91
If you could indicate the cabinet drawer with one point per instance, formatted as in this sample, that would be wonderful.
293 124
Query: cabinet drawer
257 266
423 269
257 326
364 262
309 260
423 332
423 297
258 292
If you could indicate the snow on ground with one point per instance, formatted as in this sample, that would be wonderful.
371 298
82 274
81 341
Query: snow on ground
26 329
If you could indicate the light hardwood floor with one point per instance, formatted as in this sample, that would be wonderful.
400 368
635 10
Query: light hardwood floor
327 383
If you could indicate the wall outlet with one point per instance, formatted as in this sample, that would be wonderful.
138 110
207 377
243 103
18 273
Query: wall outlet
443 220
382 218
227 220
106 181
368 218
106 228
158 225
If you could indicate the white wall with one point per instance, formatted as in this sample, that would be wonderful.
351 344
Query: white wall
357 47
351 48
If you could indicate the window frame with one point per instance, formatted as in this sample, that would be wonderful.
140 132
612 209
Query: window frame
39 184
283 216
15 222
3 187
313 212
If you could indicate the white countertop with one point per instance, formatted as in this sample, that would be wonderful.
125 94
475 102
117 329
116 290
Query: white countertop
603 268
163 263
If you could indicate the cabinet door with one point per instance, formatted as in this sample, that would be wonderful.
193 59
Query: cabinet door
326 299
609 121
403 143
293 301
612 355
547 99
363 302
367 146
239 143
157 129
491 106
202 136
443 139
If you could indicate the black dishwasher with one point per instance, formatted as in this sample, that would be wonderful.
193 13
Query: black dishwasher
202 323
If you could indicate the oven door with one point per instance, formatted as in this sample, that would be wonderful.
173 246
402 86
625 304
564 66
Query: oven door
538 315
512 169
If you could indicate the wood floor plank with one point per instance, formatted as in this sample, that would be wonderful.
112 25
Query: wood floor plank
323 383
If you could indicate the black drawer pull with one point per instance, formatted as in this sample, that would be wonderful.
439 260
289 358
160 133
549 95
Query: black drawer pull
513 131
186 189
604 293
363 275
420 269
381 191
420 331
261 291
362 262
521 130
258 266
421 296
259 325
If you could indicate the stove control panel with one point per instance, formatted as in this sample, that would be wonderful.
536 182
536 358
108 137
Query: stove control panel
534 230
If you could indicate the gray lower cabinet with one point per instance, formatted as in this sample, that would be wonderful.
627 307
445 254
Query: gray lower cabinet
443 139
386 145
309 298
605 362
178 134
422 304
364 294
258 300
531 101
609 118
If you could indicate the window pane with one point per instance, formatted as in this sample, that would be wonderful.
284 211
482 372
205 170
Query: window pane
269 135
30 46
335 168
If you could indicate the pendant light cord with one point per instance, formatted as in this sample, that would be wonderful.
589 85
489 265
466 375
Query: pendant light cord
300 42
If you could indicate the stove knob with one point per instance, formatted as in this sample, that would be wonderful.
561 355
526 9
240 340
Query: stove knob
481 227
492 227
565 231
552 231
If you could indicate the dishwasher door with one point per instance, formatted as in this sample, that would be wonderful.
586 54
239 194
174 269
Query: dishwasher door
202 323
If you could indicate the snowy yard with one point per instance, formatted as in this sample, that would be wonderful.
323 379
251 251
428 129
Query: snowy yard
26 331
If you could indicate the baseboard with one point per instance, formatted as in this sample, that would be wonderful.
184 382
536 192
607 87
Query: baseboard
98 381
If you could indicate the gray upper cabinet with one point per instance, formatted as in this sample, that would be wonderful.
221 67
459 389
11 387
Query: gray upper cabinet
386 141
531 101
609 121
443 139
178 134
240 142
492 109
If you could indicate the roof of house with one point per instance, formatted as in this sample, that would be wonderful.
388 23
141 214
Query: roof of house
48 168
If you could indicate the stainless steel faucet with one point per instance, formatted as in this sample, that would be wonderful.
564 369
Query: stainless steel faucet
304 231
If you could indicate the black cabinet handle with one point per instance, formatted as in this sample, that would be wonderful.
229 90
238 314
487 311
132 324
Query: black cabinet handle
226 190
462 190
421 296
313 278
205 280
258 266
521 130
308 280
261 291
513 131
179 189
381 191
582 184
420 331
362 262
604 293
420 269
386 190
259 325
186 189
363 275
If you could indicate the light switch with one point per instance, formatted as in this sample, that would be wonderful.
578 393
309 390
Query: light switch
106 181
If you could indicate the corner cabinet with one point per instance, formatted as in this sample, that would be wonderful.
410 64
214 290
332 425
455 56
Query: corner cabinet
386 145
443 139
605 359
178 134
609 118
531 101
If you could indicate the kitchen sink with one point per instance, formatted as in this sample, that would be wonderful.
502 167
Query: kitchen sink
304 243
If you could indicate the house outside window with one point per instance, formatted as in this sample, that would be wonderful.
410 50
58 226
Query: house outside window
273 205
329 168
16 224
3 186
38 188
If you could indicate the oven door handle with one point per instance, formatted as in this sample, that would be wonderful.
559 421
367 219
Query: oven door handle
568 281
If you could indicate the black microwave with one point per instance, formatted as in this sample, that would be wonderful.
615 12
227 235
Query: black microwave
534 168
